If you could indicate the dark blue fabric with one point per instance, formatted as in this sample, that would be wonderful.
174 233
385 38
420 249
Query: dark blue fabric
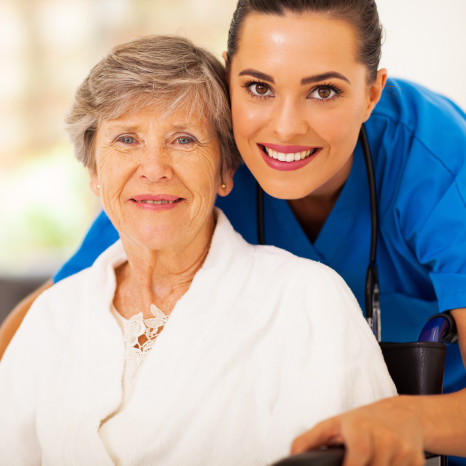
418 144
100 236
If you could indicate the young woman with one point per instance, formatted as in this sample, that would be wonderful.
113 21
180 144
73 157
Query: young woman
304 78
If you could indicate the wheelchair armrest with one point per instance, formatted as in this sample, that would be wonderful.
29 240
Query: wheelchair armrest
330 456
333 456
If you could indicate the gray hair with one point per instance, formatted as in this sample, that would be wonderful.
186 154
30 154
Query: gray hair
154 69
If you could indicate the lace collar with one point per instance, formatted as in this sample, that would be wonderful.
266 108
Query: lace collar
139 335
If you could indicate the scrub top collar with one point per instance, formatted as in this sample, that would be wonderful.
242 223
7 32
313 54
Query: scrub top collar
350 216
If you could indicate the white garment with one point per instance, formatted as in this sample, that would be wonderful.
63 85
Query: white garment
135 354
261 347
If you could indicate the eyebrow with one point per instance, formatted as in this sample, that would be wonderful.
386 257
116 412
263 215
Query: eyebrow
258 75
126 124
135 128
308 80
323 77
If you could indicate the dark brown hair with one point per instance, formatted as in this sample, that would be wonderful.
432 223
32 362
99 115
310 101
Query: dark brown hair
361 14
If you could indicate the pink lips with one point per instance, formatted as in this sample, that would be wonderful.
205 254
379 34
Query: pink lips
156 202
287 166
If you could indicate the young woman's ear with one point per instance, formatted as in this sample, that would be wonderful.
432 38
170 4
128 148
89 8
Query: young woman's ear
375 92
94 182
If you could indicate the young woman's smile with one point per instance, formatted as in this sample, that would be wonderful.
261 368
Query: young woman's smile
299 98
287 158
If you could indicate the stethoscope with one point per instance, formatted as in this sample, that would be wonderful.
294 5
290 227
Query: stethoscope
372 296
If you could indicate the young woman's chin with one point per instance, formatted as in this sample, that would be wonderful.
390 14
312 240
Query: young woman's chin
313 179
285 190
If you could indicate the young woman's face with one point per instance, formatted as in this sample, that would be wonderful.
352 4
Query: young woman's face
299 98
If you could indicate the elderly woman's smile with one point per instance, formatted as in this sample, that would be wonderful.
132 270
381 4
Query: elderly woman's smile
158 175
160 202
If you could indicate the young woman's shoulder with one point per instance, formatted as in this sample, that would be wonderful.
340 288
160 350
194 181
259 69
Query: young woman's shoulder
410 103
418 141
409 111
417 136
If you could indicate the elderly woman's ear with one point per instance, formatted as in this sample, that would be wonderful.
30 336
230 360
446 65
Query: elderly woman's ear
94 182
225 61
226 183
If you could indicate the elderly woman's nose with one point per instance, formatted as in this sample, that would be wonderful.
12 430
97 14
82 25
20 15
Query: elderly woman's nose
288 119
156 165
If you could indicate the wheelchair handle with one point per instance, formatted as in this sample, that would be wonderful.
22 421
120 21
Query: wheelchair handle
440 328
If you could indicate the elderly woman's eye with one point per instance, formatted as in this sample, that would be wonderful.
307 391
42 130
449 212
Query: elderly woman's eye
185 140
126 139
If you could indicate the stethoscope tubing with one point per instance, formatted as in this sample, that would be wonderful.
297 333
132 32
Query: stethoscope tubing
372 301
440 328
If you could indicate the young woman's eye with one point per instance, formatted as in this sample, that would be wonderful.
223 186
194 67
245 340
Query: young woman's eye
325 93
126 139
258 89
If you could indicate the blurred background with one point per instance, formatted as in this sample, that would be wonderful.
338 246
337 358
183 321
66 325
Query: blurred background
47 48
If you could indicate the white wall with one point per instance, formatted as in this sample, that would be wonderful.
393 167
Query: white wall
425 41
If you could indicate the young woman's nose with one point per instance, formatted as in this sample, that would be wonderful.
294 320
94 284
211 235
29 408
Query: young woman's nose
289 120
155 165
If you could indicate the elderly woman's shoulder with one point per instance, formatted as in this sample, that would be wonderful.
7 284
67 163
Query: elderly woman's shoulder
59 302
80 291
271 260
295 267
315 293
69 287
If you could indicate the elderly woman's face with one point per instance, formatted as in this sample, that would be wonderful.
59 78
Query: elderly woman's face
158 176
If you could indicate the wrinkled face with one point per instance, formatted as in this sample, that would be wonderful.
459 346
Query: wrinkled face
299 98
158 176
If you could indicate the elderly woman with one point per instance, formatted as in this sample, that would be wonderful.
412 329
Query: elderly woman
182 344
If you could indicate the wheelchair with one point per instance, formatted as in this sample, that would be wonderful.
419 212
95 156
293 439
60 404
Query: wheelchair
416 369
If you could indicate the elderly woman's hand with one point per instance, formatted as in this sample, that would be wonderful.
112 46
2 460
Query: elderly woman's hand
388 432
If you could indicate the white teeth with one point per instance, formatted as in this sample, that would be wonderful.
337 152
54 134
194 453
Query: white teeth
289 157
157 202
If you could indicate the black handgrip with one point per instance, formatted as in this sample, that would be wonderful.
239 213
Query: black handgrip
329 456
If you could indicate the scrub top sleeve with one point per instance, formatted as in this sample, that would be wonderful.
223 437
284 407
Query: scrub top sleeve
100 236
442 245
433 222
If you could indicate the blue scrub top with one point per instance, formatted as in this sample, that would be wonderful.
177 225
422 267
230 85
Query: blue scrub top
418 144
